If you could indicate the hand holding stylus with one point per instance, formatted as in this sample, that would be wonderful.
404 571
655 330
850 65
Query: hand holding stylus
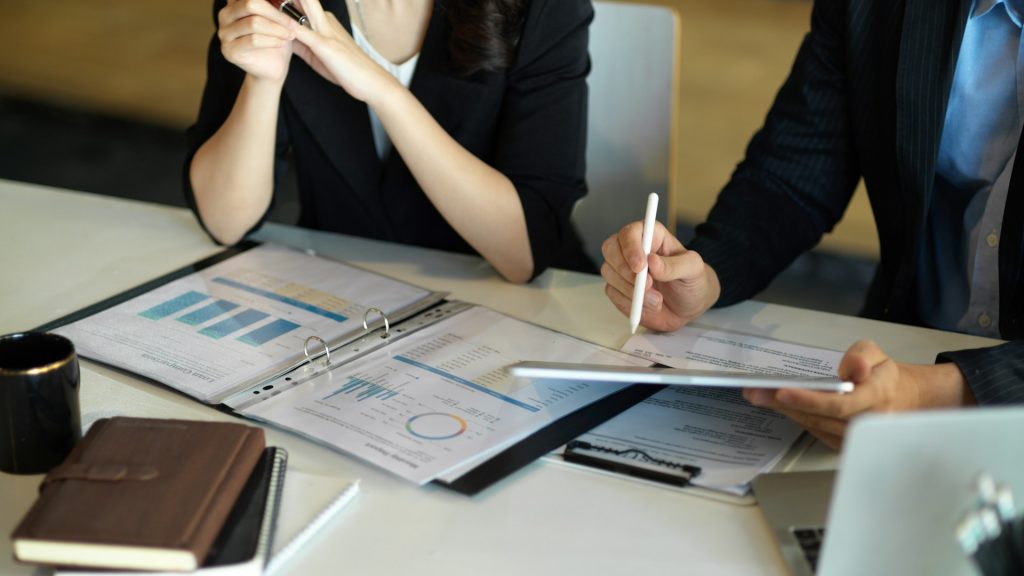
640 283
679 285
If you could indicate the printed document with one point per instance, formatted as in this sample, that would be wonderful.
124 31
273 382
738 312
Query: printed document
715 429
240 321
440 397
706 349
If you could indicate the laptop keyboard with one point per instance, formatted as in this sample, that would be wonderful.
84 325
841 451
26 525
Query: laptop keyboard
810 539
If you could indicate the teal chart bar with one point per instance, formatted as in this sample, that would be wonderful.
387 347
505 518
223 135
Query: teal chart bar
208 312
364 390
236 322
174 305
264 334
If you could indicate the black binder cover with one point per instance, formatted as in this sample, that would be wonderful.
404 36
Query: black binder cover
550 437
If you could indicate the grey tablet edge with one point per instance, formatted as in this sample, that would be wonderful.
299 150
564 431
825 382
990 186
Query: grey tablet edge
674 376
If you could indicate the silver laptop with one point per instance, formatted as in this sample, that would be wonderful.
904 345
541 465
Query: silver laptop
904 482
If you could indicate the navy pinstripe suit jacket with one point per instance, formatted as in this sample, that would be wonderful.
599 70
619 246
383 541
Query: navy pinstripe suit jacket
866 99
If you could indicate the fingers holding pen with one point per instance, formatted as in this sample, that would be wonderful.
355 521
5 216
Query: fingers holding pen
238 10
246 25
620 275
623 286
318 18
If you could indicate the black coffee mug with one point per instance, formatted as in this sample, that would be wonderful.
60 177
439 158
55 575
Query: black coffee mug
40 419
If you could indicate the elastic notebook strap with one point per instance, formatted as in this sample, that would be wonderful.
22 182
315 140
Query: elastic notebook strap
100 473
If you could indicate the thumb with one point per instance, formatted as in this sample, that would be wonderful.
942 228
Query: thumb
859 361
685 266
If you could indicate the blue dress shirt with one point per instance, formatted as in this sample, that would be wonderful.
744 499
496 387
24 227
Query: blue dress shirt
958 281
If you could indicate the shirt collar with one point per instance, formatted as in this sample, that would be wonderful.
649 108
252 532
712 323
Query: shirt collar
1014 8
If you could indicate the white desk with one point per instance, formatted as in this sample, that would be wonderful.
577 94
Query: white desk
60 251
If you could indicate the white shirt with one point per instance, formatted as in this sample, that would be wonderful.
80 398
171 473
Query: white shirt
402 72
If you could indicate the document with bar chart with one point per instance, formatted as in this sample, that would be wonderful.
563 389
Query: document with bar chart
240 321
440 397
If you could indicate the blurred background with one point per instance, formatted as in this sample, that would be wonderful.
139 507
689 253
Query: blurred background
96 97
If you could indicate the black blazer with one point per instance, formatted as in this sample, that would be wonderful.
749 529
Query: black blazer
866 99
528 122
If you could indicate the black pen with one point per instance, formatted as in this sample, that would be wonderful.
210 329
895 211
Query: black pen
289 8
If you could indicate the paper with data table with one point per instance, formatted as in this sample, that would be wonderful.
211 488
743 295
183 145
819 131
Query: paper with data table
242 320
439 397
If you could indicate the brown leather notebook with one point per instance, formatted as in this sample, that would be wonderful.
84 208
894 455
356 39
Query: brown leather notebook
143 494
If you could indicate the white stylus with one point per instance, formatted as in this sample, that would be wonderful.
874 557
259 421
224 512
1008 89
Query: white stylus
641 277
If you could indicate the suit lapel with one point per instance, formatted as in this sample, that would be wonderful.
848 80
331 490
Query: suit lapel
924 74
340 123
1011 253
448 98
929 44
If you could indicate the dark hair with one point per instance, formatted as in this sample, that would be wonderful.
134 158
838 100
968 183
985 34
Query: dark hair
484 33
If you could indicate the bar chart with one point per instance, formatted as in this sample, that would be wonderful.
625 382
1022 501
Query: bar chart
211 318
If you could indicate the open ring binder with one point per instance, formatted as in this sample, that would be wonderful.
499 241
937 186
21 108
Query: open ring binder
327 350
387 325
257 391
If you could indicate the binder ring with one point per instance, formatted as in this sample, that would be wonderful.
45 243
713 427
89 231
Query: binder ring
327 351
387 326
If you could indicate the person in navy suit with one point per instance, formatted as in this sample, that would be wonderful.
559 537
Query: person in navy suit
924 100
451 124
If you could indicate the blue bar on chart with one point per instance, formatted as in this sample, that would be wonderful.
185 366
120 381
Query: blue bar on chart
173 305
208 312
364 390
264 334
236 322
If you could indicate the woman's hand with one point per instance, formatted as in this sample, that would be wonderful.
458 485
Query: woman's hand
330 50
257 38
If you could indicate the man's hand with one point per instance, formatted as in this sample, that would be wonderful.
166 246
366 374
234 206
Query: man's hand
881 385
680 286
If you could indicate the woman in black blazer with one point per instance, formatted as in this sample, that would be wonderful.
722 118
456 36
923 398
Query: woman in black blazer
488 140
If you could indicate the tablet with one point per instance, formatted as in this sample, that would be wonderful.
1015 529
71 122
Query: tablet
674 376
